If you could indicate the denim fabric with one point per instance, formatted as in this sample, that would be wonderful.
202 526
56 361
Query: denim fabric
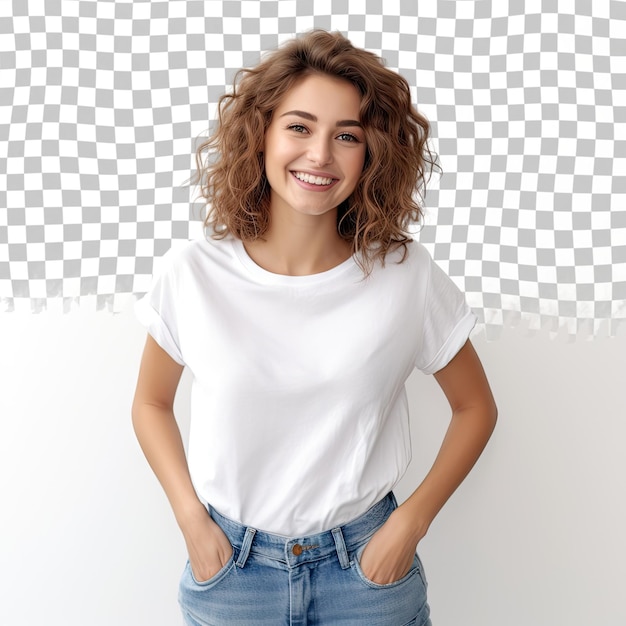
279 581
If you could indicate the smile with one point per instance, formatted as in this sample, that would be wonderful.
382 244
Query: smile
313 180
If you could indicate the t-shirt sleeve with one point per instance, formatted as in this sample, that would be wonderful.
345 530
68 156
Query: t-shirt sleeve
448 321
156 310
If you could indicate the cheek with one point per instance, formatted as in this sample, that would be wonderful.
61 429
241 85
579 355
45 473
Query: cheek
277 153
358 164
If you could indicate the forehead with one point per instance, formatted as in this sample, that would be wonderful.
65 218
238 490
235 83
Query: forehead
326 94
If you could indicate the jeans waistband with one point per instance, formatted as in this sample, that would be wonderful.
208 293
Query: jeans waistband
294 551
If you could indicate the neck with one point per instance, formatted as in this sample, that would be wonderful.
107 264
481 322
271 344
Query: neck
300 245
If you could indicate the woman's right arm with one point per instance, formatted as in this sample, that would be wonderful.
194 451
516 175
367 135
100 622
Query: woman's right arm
160 440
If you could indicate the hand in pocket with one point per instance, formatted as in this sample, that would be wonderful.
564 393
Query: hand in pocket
208 547
389 555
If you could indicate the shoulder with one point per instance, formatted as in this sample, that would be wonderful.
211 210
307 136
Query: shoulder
193 254
412 266
417 252
412 258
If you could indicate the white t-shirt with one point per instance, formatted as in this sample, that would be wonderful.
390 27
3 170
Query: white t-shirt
299 417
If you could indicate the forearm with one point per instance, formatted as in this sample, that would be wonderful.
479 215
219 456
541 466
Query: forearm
466 437
160 440
391 550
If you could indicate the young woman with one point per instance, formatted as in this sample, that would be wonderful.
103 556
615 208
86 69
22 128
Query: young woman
300 316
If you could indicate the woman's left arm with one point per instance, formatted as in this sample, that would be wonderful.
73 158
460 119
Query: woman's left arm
389 554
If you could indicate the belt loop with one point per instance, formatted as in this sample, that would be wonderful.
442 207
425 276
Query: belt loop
245 547
340 544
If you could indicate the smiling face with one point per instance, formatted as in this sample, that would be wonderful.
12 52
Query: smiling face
314 147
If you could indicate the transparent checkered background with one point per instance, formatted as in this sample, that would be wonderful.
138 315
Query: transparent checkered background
101 103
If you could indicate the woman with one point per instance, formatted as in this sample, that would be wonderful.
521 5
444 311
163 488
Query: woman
300 317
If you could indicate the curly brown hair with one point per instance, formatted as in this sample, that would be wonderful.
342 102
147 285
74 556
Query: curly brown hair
398 161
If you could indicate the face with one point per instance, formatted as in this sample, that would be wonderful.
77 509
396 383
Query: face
314 147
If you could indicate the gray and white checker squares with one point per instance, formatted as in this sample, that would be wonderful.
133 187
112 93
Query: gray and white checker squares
102 102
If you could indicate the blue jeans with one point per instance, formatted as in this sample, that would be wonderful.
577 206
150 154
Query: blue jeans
274 580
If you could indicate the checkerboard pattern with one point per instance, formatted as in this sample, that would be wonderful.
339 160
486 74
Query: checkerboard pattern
102 102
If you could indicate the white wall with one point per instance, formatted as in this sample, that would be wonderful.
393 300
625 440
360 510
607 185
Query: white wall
535 535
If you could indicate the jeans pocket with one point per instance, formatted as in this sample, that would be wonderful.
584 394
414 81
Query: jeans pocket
415 569
216 578
422 573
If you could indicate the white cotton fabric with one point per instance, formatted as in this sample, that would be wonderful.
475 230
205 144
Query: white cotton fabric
299 417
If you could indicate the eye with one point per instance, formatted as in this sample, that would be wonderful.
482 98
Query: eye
298 128
348 137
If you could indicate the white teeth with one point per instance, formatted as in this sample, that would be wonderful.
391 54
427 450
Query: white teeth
313 180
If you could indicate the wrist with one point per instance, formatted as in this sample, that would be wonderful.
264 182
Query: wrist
415 520
190 512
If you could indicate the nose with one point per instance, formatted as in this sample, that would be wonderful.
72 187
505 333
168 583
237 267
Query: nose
320 151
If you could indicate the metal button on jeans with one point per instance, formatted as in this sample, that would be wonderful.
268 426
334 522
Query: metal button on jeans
297 549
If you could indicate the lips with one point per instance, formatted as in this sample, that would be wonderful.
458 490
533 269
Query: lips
311 179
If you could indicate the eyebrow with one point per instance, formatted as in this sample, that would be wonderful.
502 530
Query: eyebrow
313 118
